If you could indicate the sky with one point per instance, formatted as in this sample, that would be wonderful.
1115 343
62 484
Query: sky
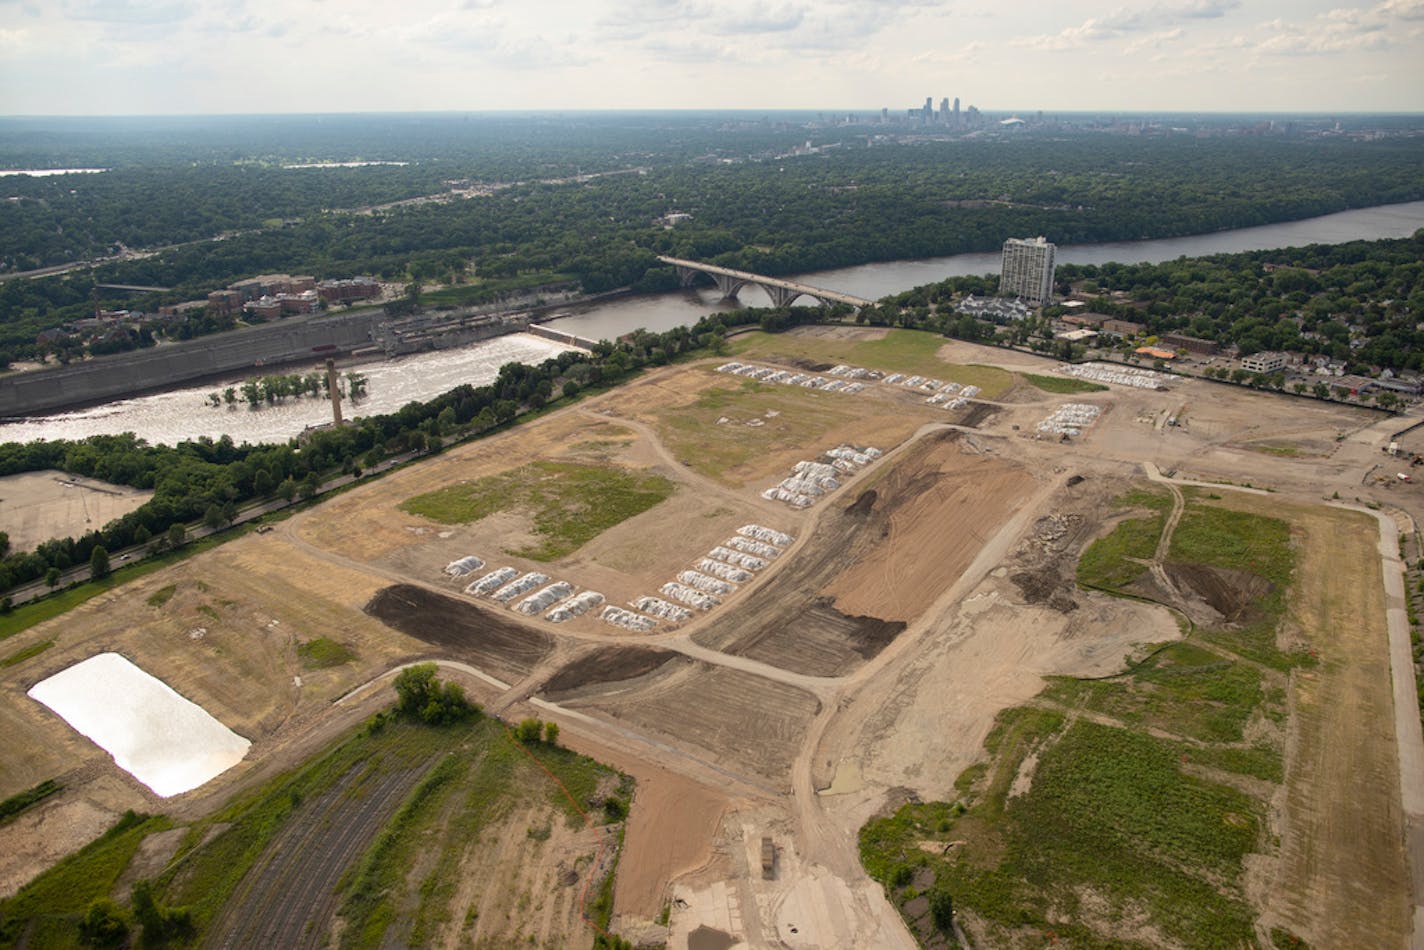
128 57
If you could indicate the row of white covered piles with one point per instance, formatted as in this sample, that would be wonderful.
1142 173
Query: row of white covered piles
505 585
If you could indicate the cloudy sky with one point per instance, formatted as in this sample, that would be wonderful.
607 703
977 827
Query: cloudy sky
179 56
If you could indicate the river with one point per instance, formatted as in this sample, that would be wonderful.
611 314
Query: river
183 414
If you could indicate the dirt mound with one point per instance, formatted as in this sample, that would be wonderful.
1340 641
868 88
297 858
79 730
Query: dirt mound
1231 593
606 665
1044 587
977 414
864 504
488 640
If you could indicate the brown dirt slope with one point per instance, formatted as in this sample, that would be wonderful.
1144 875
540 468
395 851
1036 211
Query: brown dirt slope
929 517
492 642
605 665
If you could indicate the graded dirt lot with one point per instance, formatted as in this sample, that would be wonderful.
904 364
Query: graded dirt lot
861 668
37 506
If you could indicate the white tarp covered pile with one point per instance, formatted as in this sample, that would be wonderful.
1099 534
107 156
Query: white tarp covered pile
704 583
748 561
492 581
689 595
812 479
748 546
575 606
763 533
550 595
627 619
1122 375
767 374
1070 419
725 571
465 565
661 608
520 585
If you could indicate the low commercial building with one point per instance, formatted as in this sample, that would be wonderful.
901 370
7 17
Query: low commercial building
1155 353
1191 344
1121 328
1267 361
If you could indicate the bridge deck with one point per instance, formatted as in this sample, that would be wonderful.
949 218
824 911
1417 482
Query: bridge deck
818 292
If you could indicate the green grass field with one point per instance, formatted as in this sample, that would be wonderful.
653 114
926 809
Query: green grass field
1111 562
900 351
569 504
1059 384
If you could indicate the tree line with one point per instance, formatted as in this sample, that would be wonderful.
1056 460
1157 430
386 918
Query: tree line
770 215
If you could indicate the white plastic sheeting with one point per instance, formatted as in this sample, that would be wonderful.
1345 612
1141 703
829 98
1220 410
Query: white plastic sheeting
520 585
465 565
492 581
690 596
536 602
737 557
662 609
763 533
702 582
575 606
725 571
627 619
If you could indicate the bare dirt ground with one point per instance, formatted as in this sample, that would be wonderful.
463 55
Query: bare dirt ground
866 664
1343 879
37 506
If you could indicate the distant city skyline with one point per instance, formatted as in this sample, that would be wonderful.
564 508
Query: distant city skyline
121 57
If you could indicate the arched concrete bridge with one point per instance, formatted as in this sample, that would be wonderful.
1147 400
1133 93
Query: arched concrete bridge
781 292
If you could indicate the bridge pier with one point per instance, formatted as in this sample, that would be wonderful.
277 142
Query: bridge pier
685 275
782 296
729 285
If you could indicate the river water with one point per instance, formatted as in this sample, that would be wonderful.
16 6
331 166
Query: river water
170 417
173 416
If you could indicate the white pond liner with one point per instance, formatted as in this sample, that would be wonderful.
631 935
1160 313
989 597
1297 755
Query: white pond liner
168 743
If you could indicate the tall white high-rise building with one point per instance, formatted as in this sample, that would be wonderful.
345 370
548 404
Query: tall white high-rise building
1028 270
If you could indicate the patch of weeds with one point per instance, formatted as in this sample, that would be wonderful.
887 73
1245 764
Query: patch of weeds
15 804
161 596
1058 384
29 652
48 910
1183 689
1111 562
323 653
570 503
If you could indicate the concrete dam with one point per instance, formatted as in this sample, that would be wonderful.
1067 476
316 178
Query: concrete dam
253 350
